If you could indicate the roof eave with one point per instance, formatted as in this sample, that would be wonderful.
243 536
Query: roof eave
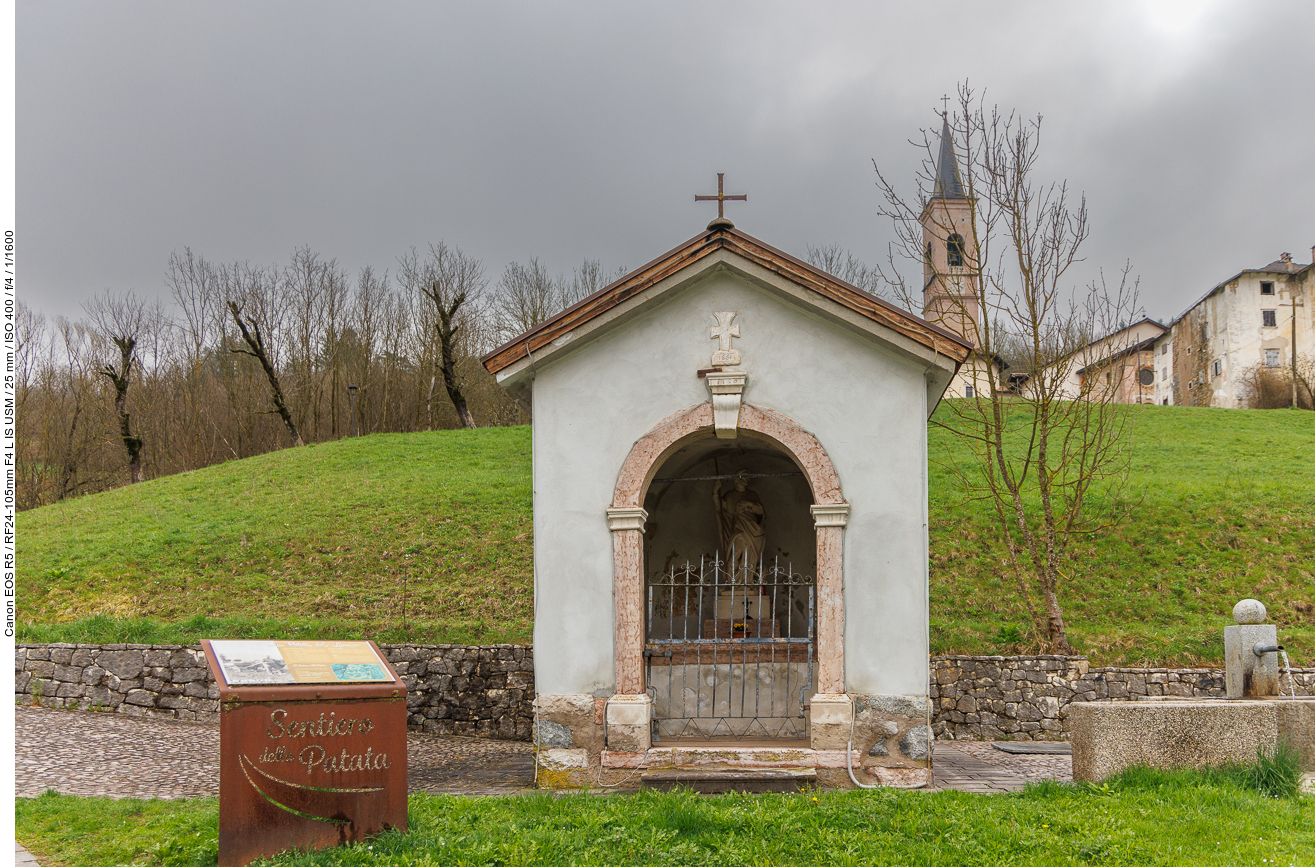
522 347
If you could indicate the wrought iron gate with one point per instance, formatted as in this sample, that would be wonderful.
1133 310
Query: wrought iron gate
729 650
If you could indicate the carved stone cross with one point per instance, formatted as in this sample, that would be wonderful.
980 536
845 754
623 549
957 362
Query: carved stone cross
722 332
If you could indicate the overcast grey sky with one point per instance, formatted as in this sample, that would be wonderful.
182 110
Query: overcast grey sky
564 131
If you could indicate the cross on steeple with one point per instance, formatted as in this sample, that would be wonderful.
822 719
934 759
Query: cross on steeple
945 105
721 198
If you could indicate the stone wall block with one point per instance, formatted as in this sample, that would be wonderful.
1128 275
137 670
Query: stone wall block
139 697
157 658
41 668
125 664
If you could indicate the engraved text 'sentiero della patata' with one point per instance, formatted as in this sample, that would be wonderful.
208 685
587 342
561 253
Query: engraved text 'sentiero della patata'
317 757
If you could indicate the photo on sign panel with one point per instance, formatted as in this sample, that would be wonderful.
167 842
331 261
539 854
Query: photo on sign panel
251 662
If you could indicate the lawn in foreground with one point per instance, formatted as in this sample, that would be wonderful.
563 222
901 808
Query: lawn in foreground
1149 818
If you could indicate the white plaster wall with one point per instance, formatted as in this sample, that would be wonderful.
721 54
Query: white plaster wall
867 407
977 371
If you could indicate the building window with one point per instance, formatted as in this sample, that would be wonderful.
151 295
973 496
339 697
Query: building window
954 250
1164 349
1271 358
1164 374
1166 401
1216 368
929 252
969 391
1269 318
1267 288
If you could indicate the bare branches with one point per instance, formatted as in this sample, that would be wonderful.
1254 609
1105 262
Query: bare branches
841 263
1046 433
257 306
450 280
125 320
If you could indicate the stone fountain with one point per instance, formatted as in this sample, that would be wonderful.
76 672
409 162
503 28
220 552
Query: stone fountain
1109 736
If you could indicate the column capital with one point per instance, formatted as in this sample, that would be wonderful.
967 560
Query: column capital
626 518
830 515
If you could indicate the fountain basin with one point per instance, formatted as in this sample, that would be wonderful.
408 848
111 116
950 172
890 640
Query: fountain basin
1186 733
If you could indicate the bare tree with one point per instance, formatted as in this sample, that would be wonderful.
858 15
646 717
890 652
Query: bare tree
839 262
254 301
124 320
995 246
527 295
453 283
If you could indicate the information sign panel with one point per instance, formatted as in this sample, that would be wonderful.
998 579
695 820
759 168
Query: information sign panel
245 663
312 745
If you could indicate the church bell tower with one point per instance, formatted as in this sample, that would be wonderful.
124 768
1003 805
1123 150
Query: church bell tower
949 276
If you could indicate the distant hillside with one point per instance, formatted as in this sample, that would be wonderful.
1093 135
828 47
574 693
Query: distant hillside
427 537
421 536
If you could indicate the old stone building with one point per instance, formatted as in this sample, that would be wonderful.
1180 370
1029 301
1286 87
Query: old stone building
1120 365
1253 321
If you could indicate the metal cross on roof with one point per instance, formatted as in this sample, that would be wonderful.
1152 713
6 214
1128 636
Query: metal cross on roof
721 198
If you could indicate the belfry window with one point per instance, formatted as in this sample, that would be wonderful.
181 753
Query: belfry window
954 250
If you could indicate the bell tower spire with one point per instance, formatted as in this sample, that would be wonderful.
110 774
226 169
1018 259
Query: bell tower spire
949 274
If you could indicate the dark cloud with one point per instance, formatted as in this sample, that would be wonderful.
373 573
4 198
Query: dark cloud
562 131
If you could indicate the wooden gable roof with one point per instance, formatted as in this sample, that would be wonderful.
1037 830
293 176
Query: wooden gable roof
727 238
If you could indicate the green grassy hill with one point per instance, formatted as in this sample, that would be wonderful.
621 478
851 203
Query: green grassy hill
427 537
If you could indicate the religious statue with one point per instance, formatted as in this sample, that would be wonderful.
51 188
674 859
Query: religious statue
740 519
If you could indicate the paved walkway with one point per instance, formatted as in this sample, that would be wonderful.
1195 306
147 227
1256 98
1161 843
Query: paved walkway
977 766
119 756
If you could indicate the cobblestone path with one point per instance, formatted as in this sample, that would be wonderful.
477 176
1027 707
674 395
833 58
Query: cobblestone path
118 756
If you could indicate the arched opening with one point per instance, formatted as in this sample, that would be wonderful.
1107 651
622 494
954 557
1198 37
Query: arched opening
684 523
954 250
730 553
766 436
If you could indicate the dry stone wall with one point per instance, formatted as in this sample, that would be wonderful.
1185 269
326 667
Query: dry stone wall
451 689
1027 697
488 691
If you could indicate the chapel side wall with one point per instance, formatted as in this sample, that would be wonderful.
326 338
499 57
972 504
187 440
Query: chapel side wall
866 408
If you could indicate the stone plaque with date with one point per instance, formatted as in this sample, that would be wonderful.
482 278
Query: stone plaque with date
312 745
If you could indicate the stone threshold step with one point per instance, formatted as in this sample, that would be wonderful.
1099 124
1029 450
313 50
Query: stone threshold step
720 782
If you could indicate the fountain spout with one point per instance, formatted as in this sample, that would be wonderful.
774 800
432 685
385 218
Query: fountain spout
1261 648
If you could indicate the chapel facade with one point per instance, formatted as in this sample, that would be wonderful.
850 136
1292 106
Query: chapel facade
730 522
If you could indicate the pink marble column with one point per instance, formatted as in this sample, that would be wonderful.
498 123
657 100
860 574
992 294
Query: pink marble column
628 597
830 521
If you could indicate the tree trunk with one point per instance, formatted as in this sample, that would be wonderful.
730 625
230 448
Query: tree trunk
447 333
257 351
1056 632
119 379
